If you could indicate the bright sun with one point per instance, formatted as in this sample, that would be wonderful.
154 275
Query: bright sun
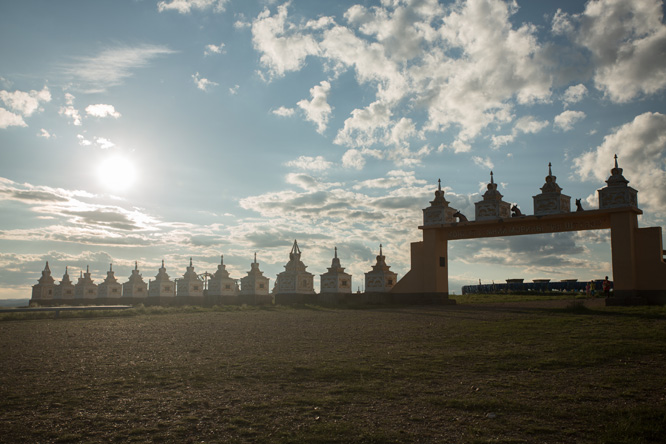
116 173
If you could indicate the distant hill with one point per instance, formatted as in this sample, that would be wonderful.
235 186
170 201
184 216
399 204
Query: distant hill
14 302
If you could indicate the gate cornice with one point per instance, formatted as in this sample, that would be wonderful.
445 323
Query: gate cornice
525 225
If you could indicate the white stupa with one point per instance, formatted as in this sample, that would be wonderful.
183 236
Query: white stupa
135 287
294 279
162 286
380 279
335 280
190 284
110 288
65 289
255 283
221 284
85 288
45 285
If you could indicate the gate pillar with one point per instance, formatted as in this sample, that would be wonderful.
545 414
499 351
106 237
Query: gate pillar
623 251
435 262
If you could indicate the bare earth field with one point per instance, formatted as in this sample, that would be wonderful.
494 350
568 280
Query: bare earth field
512 372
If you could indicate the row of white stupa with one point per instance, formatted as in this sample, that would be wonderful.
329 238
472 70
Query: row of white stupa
294 280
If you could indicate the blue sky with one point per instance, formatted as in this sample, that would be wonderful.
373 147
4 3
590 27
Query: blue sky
149 130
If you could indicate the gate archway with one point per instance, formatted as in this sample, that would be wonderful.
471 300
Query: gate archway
639 270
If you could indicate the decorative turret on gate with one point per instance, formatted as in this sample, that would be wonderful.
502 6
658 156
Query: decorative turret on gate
439 211
551 200
617 193
492 206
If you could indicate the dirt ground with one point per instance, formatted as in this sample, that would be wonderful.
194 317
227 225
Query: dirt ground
504 372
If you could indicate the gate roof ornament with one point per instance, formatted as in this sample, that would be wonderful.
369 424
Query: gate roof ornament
439 211
492 206
617 192
551 200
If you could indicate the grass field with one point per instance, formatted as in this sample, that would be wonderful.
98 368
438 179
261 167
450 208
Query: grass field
478 372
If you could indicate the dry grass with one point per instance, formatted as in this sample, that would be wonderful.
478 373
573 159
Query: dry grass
517 372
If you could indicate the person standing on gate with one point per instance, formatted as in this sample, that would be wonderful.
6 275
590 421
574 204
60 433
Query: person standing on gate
587 289
592 285
605 286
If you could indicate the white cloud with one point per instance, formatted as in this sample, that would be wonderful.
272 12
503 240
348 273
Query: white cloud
505 139
186 6
574 94
234 90
214 49
308 182
102 110
318 110
566 120
303 181
283 111
353 159
400 132
483 162
529 125
69 111
282 48
8 119
402 51
362 129
104 143
72 113
498 64
626 40
371 62
45 134
25 103
393 179
83 141
202 83
458 146
310 163
562 24
524 125
112 66
402 156
641 148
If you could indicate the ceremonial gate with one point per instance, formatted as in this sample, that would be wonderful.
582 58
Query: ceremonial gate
639 270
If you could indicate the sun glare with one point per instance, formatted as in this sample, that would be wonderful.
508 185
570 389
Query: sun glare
116 173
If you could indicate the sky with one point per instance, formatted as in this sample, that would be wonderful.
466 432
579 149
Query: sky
147 130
